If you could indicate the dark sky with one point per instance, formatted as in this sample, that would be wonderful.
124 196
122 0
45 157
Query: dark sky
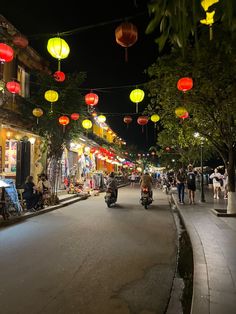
95 51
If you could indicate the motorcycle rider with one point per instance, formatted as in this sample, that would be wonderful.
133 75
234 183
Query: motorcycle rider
146 181
112 184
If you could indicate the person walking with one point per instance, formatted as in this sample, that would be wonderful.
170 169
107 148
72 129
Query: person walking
181 180
216 177
132 179
191 184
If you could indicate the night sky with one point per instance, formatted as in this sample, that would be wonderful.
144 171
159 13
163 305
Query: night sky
95 51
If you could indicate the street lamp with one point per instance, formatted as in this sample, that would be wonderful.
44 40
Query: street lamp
202 177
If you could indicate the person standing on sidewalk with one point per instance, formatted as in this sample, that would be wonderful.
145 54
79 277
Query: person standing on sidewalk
181 179
216 177
191 184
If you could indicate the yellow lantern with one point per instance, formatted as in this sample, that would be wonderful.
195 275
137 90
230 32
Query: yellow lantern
101 118
208 3
37 112
136 96
87 124
58 48
180 111
155 118
51 96
209 21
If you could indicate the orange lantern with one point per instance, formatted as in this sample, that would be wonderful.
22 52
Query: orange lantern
127 120
37 112
91 99
184 84
126 36
6 53
64 120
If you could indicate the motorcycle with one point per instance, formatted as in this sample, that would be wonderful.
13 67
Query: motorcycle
146 198
110 197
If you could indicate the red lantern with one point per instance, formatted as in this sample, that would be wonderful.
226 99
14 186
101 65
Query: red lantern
91 99
142 120
20 41
59 76
6 53
126 36
64 120
13 87
75 116
127 120
184 84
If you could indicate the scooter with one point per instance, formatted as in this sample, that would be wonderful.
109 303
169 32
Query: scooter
146 198
110 197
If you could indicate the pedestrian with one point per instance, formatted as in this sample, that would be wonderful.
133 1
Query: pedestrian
132 179
181 180
32 198
216 177
191 184
44 189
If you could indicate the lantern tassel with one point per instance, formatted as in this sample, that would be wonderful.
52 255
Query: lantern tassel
59 65
211 32
136 107
126 54
37 121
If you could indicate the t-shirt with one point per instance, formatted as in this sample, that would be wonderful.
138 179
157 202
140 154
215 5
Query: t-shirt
191 178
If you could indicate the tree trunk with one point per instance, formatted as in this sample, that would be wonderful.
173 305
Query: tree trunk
231 207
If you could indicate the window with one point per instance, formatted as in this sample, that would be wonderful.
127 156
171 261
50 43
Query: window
24 78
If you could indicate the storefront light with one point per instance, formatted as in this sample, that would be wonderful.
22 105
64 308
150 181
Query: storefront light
8 135
32 140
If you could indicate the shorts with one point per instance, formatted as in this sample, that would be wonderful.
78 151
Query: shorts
216 185
191 187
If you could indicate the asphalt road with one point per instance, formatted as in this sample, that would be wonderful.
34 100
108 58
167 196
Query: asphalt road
89 259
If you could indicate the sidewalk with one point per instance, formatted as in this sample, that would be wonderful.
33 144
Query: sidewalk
64 200
213 241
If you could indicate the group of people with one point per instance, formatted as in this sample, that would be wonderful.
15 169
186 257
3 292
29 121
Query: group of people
36 195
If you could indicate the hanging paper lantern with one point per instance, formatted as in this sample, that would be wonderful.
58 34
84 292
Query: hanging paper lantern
91 99
37 112
126 36
6 53
142 120
59 76
20 41
180 111
75 116
51 96
13 87
58 48
87 124
127 120
184 84
64 120
137 96
155 118
101 118
208 3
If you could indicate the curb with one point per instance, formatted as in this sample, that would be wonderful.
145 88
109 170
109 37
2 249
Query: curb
200 295
62 203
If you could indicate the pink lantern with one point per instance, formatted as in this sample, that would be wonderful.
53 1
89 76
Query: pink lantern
75 116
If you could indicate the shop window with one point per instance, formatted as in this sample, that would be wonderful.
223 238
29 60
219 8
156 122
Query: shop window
23 77
10 156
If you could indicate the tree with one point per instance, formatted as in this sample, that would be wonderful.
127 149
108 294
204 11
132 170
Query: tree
70 100
212 101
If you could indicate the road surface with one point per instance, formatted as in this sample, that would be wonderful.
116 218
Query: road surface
89 259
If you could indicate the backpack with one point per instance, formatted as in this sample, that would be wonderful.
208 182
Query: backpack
191 178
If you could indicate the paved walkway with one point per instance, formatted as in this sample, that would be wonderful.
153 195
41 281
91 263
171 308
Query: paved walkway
213 240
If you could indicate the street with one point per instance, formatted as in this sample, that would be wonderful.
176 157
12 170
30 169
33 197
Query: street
89 259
